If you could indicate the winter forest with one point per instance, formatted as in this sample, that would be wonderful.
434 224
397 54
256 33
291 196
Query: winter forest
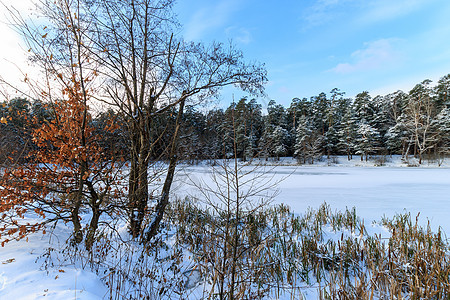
120 178
414 123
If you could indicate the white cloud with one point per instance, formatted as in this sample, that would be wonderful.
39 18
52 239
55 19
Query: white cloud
375 55
361 12
240 35
209 17
323 11
382 10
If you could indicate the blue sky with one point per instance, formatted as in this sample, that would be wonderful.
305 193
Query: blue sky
314 46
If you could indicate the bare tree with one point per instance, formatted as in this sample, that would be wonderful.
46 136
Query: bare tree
149 71
125 53
420 110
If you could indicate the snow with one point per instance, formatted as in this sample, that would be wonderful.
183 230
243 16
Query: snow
374 191
23 277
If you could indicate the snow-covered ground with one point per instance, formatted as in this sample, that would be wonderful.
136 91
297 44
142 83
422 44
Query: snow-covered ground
374 191
23 274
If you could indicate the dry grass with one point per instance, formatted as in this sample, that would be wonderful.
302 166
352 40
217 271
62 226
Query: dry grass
283 253
278 254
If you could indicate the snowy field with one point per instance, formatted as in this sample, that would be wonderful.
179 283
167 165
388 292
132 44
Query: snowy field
374 191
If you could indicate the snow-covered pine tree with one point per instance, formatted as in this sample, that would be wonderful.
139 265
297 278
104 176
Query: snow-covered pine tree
399 137
308 142
279 138
382 117
363 107
301 146
320 108
348 133
276 137
331 140
442 93
442 126
367 140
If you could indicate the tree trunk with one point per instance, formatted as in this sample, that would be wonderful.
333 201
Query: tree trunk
138 185
77 233
164 198
77 198
93 225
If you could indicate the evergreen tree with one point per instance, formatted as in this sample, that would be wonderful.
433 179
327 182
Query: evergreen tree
334 116
215 132
398 137
191 135
363 107
333 108
255 128
348 133
367 140
276 114
298 107
442 92
331 140
308 142
382 118
16 124
276 137
320 110
280 139
397 102
248 126
442 126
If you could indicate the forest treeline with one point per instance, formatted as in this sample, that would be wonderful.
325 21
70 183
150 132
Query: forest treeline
416 124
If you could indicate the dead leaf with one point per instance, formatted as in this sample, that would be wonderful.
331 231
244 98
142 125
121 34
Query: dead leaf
8 261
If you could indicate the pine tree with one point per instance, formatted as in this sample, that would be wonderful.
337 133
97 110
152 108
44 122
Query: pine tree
308 143
299 107
348 133
279 138
399 137
331 140
442 92
442 127
382 117
320 110
214 135
367 140
276 137
363 107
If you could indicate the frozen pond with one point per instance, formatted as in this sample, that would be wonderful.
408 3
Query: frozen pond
374 191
